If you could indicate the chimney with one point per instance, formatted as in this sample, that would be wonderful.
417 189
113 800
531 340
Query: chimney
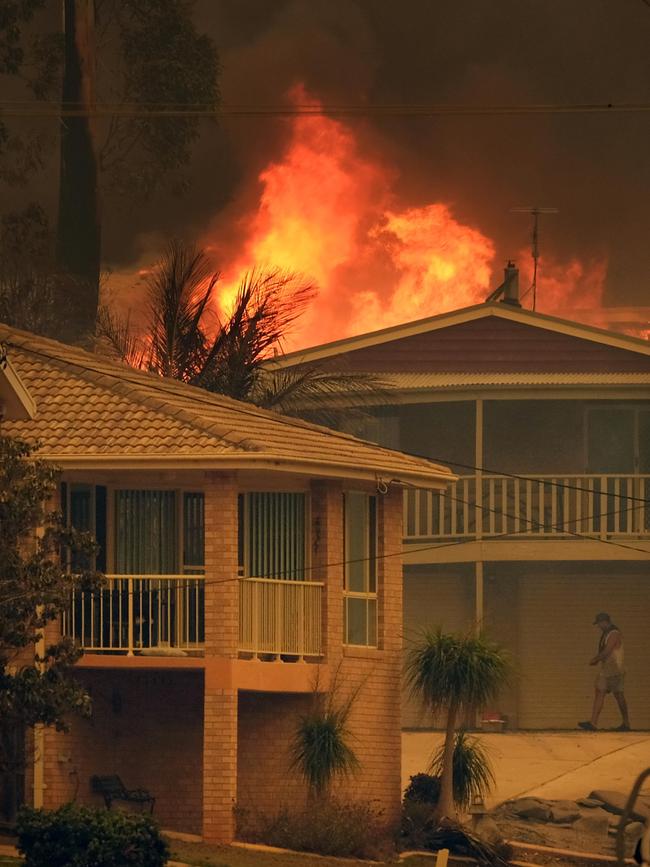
510 285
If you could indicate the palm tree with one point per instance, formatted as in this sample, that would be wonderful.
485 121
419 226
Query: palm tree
456 673
182 337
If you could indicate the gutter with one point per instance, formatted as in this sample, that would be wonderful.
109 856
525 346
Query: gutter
438 478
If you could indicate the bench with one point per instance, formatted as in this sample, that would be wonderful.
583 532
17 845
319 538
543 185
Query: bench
111 788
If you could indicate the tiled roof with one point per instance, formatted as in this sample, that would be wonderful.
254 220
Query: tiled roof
91 411
425 381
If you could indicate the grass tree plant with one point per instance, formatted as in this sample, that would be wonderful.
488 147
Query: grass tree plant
455 674
320 749
472 776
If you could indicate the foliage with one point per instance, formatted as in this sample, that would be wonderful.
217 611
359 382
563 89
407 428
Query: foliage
320 748
352 829
454 673
34 588
75 836
423 789
466 670
429 834
472 772
182 338
163 62
27 283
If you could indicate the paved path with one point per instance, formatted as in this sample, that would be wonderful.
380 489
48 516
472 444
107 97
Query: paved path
553 765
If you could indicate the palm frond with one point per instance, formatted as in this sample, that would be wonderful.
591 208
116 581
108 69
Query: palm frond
117 337
465 670
472 775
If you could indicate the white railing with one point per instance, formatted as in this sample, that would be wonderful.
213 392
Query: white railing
539 506
279 617
136 613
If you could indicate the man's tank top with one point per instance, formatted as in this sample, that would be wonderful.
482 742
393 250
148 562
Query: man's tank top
614 664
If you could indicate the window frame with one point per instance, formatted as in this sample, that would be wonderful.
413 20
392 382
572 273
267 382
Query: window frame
371 576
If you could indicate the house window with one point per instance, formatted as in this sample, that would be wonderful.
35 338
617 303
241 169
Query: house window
360 590
193 533
84 508
146 532
272 539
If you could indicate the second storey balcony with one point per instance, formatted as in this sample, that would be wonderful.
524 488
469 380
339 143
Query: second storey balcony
533 506
164 615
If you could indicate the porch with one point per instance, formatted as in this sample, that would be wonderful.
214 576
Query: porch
164 615
540 506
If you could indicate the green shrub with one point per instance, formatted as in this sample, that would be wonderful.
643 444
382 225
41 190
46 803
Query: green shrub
75 836
423 789
327 826
472 772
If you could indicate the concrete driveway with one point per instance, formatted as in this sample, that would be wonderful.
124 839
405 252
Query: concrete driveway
563 765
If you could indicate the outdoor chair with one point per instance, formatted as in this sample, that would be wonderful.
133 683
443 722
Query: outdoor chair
111 788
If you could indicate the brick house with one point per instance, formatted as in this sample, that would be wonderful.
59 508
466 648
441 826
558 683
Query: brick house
244 552
547 424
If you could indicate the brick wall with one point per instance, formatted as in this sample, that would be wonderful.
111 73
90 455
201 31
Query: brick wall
267 722
221 640
148 728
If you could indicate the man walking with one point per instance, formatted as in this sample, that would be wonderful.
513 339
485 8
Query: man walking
611 676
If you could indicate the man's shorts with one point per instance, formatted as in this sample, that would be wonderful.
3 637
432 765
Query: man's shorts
611 683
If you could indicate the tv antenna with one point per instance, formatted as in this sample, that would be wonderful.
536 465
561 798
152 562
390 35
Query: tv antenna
535 213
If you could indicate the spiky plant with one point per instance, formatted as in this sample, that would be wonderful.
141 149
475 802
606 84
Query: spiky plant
320 749
472 771
454 673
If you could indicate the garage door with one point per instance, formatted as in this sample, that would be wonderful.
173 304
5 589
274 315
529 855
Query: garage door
430 601
556 641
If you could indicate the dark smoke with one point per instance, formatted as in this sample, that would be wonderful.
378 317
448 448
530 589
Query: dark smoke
595 169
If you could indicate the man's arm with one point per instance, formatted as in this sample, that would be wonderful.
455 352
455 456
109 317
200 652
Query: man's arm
613 641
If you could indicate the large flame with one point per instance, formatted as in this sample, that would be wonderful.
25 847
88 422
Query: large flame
328 212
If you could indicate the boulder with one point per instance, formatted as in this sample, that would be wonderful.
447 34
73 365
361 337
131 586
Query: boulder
589 802
593 821
531 808
487 829
564 816
614 802
633 832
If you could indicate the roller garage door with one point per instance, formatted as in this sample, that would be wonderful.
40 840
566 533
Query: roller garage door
556 641
432 600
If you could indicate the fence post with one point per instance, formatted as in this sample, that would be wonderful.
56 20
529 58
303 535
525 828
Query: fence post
129 627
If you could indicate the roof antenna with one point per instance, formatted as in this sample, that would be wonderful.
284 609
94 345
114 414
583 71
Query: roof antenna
535 213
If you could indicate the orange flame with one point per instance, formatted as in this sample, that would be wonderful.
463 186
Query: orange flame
328 212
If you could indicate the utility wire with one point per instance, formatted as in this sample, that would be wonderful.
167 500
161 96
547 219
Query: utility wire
56 109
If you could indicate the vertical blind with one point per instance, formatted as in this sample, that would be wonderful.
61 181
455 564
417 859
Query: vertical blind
193 532
274 535
146 533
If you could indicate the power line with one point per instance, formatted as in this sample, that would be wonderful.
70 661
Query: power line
159 109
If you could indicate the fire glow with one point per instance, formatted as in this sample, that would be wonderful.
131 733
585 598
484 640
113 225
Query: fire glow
327 212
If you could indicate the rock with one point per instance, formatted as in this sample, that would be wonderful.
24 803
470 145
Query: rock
562 816
531 808
614 802
634 831
595 821
589 802
487 829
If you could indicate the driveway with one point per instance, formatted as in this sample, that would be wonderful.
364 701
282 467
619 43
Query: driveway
565 765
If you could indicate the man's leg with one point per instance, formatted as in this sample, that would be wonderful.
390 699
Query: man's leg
599 700
622 706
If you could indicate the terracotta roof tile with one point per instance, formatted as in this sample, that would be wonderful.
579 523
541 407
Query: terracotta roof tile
90 408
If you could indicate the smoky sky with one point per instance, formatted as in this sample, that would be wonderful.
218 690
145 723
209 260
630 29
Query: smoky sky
594 168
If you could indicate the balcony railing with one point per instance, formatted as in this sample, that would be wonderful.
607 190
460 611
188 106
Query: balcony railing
278 618
154 613
130 614
542 506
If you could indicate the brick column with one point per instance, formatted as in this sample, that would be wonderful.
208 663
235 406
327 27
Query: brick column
326 559
221 639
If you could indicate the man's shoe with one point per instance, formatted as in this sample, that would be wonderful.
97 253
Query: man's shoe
622 728
587 726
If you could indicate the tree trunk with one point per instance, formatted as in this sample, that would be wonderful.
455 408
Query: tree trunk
445 808
78 234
